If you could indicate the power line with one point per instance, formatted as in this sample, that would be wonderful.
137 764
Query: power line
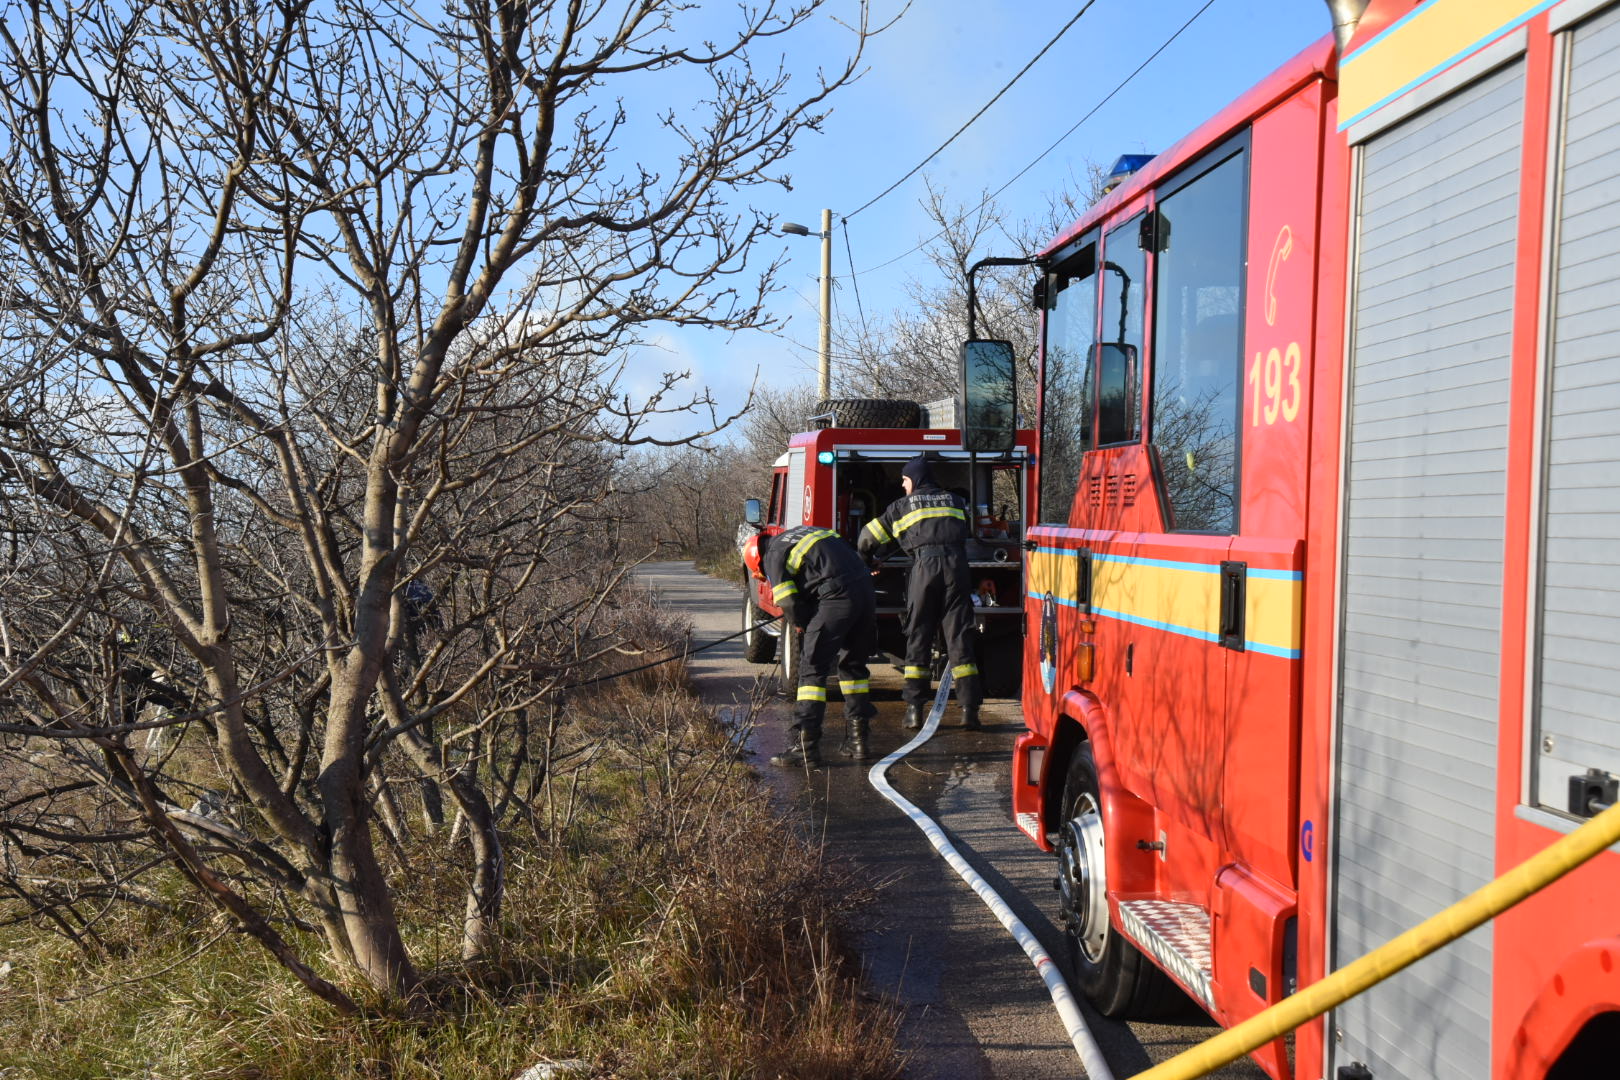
975 116
1041 156
850 254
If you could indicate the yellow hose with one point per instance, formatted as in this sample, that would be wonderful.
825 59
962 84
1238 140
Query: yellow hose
1529 877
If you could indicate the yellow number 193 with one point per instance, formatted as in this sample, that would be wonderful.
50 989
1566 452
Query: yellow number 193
1274 385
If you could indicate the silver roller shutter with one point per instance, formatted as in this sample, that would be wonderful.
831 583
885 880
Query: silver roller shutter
1578 679
1416 749
793 501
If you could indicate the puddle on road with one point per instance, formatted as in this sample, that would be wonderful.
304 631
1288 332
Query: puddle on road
738 723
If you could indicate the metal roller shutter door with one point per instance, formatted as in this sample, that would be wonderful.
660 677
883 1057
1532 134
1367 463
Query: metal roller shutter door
1416 749
793 504
1578 676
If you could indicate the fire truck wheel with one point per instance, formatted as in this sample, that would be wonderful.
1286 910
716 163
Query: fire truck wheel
758 646
869 412
790 659
1111 972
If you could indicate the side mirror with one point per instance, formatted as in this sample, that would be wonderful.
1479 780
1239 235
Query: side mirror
753 512
1117 380
989 397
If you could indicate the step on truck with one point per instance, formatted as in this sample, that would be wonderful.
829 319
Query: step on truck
1324 602
845 473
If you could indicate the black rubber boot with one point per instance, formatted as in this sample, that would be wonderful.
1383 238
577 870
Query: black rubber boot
805 753
855 745
970 718
915 715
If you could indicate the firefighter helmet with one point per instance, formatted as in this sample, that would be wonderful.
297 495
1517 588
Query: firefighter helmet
753 553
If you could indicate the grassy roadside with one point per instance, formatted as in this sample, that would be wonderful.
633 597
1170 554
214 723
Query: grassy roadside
725 565
661 921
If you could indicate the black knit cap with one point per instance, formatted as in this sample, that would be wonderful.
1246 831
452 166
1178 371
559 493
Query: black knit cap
918 472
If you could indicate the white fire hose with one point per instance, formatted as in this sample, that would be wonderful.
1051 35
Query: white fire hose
1068 1011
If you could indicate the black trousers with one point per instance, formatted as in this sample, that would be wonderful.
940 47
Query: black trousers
840 634
939 598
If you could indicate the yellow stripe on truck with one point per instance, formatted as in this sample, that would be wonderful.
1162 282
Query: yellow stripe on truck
1420 45
1177 597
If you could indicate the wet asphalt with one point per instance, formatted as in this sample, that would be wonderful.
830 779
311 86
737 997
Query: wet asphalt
974 1005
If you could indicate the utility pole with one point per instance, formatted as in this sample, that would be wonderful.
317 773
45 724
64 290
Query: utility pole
824 382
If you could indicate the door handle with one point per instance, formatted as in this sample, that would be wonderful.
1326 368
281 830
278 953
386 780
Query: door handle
1234 590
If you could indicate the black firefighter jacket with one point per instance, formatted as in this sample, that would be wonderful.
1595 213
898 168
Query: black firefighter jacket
805 563
929 515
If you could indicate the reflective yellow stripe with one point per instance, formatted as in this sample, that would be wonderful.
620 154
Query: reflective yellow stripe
916 672
812 693
879 533
787 588
855 686
931 512
962 671
795 557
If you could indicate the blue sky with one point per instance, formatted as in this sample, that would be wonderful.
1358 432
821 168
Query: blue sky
927 75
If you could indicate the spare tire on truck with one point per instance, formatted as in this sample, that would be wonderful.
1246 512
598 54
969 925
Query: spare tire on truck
869 412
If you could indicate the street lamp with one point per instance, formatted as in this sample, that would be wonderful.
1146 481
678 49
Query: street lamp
791 229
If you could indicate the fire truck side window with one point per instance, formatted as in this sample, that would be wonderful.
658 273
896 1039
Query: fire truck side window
774 516
1197 347
1119 381
1066 401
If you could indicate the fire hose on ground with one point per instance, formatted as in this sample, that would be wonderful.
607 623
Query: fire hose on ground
1068 1010
1490 900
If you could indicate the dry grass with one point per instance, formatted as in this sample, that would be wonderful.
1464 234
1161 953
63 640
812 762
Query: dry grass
661 921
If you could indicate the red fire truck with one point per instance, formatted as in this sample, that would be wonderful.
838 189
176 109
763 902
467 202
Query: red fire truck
843 475
1324 603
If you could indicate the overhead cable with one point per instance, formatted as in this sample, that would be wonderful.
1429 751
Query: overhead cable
1041 156
976 115
850 254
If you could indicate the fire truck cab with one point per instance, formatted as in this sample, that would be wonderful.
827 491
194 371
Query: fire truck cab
1327 523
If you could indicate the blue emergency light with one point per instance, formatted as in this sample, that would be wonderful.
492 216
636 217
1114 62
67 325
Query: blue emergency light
1123 168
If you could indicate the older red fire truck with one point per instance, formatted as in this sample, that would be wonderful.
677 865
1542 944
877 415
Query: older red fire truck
1324 600
843 474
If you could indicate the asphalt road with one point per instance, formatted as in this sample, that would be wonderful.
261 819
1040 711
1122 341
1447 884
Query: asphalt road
975 1006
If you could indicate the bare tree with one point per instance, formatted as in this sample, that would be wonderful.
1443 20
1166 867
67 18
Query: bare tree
314 315
776 414
914 352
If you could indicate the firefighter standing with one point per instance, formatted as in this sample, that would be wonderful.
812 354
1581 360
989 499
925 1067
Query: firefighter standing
931 525
822 586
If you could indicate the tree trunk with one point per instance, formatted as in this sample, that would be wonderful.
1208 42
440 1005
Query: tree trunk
365 905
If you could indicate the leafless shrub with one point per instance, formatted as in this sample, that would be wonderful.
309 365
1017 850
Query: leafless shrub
312 319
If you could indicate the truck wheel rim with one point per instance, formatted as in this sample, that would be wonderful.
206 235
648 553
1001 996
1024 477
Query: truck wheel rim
748 623
1082 881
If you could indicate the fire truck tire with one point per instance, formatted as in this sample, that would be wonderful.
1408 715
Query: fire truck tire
870 412
790 659
758 646
1113 974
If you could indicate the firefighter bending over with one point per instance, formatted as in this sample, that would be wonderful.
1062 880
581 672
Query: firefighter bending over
823 587
931 525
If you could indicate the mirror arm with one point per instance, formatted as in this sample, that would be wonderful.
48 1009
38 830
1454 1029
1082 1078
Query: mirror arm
972 296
